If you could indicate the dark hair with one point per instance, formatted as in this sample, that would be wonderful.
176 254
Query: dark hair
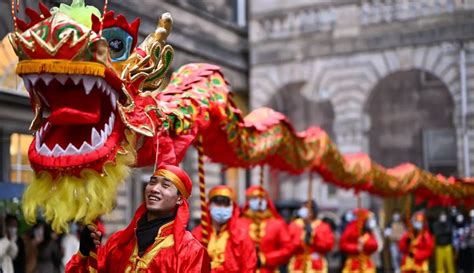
221 200
314 206
11 217
2 227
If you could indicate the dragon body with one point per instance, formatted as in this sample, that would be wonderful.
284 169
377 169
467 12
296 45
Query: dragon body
102 106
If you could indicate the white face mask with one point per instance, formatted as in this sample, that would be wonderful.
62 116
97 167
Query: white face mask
396 217
12 231
257 204
371 224
459 218
303 212
221 214
471 213
443 218
349 217
417 225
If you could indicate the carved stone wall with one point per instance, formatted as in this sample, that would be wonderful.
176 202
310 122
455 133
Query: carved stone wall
339 52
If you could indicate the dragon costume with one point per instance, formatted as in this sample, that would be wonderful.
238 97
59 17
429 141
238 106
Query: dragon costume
103 105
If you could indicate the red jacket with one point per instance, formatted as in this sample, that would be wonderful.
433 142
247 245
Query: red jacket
321 242
358 260
119 254
275 246
239 254
421 247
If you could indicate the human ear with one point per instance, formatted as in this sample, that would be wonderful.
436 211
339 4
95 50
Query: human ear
180 201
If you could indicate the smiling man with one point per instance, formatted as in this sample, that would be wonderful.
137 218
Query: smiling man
155 240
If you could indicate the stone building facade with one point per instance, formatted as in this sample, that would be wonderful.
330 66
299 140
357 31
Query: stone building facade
391 78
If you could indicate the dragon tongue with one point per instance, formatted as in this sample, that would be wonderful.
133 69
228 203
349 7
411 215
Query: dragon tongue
69 116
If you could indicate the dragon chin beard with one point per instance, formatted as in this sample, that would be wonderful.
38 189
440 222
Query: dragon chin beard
70 198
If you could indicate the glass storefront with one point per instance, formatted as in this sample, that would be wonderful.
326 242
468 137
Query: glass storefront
20 169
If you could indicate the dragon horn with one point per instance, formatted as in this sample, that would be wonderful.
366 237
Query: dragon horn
163 29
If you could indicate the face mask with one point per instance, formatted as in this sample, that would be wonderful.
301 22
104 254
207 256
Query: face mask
12 231
371 224
417 225
459 218
471 213
443 218
256 205
221 214
303 212
349 217
396 217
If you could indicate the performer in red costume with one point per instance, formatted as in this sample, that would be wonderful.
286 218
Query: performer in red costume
358 242
267 230
314 239
230 248
417 246
155 240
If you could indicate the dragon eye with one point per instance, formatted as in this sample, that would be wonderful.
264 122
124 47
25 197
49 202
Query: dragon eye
120 43
116 45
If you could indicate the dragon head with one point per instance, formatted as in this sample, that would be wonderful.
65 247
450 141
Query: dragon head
91 92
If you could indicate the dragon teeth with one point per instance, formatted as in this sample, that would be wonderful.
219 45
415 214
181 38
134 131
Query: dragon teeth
88 82
47 78
58 151
71 150
32 78
113 99
28 85
76 79
44 150
95 137
62 78
86 148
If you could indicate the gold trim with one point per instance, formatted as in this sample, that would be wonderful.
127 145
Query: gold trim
60 67
222 192
137 263
257 193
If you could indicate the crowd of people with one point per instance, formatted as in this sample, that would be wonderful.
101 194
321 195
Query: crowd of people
38 250
254 238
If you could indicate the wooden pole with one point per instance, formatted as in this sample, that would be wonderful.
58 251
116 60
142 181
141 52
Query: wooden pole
202 193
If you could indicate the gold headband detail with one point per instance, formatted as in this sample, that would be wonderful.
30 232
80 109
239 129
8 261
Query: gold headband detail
174 179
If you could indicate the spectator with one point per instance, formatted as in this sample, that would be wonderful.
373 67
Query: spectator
443 232
8 249
49 253
12 232
393 233
359 243
460 240
470 241
416 246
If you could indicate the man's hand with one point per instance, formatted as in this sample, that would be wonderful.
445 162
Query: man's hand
90 239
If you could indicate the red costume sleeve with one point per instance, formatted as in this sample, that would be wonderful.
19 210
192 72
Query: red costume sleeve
285 246
349 239
370 245
404 247
249 263
197 233
424 247
80 264
199 261
295 235
323 238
